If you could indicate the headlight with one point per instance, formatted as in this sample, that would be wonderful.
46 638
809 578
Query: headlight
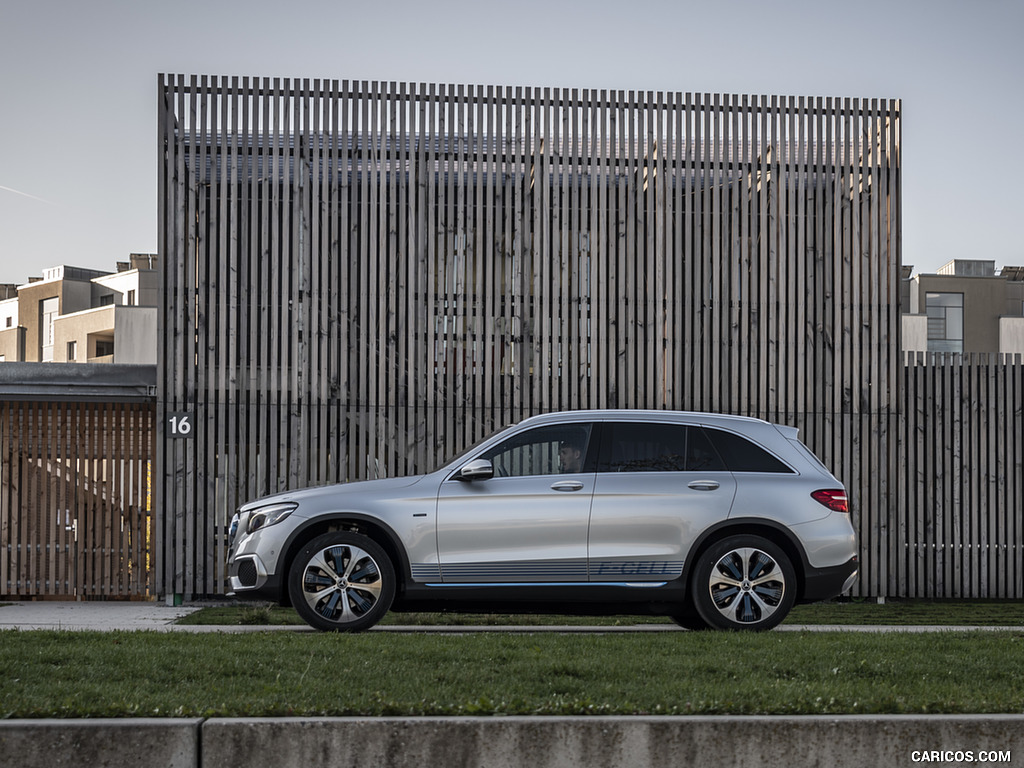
264 516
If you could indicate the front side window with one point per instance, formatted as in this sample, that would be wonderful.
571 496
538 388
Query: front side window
646 447
553 450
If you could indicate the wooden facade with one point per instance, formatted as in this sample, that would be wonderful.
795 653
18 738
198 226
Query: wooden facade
75 502
959 529
361 279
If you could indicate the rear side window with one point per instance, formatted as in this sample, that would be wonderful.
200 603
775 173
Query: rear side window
648 447
741 455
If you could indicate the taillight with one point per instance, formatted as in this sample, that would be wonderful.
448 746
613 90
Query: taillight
835 499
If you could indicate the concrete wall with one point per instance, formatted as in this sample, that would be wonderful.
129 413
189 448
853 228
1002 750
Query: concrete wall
132 329
28 313
12 344
135 335
111 743
78 327
915 333
9 313
1011 335
984 302
496 742
145 283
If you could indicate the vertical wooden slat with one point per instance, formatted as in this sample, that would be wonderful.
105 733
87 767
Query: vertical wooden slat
7 493
51 475
26 540
17 485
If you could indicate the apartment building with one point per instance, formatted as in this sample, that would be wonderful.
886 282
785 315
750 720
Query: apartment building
967 306
76 315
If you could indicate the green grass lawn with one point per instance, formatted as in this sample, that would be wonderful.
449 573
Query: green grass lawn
143 674
984 613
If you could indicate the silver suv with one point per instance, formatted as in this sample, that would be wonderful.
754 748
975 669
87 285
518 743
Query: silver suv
717 521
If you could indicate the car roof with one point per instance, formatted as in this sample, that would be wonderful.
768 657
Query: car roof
617 414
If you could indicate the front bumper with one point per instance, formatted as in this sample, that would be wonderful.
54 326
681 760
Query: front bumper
247 577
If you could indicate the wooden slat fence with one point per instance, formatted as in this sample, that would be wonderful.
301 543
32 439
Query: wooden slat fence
75 499
960 523
362 278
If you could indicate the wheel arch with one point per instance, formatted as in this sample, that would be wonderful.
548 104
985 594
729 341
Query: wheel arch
355 522
774 532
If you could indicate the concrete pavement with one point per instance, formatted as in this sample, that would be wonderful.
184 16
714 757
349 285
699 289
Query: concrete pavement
96 615
157 616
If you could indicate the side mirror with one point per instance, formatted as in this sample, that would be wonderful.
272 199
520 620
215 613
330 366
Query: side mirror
478 469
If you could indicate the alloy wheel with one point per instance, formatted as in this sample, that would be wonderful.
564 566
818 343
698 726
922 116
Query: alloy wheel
747 585
341 583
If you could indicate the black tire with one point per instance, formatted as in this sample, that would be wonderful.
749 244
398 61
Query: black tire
743 582
341 582
690 620
687 617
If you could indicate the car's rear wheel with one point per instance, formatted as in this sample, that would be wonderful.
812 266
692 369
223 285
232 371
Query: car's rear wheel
342 582
744 582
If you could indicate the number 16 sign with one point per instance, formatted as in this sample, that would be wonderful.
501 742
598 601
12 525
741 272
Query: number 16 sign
179 424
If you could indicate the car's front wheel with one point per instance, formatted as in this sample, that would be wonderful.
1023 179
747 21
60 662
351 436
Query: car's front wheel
744 582
686 616
342 582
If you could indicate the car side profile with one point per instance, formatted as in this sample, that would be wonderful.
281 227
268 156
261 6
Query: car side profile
720 522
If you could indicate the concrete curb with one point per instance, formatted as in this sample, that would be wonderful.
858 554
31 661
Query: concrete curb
120 742
497 742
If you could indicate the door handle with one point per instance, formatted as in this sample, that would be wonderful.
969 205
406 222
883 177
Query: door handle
703 485
567 485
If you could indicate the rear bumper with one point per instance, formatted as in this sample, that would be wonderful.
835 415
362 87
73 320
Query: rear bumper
826 583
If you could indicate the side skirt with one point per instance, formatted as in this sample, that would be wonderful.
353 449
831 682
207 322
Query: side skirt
582 599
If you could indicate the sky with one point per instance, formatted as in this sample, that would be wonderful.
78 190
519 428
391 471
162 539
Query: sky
78 82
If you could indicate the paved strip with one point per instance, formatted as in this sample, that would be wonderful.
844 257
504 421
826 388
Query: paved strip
91 615
109 616
648 628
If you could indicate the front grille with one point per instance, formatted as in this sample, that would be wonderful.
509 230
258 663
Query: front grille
247 573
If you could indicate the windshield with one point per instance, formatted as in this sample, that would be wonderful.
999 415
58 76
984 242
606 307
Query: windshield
460 457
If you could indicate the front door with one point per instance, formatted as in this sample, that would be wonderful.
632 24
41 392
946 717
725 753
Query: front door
529 522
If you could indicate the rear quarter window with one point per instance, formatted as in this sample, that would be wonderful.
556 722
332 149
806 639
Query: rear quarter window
742 455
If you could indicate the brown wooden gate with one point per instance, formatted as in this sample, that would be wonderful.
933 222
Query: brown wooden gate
75 501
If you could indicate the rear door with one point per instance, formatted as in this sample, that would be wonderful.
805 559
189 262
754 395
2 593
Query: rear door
658 485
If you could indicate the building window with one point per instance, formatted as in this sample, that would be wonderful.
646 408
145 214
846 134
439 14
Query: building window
130 301
106 301
47 315
72 351
10 322
945 322
104 348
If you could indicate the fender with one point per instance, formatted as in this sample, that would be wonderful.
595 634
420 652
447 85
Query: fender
393 545
784 537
